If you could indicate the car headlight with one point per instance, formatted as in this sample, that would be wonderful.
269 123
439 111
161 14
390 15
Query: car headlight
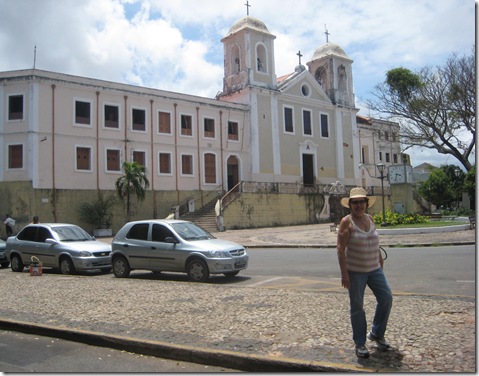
85 254
218 254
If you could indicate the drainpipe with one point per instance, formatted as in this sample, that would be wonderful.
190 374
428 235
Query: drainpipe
153 193
198 152
97 140
176 154
221 148
54 189
126 124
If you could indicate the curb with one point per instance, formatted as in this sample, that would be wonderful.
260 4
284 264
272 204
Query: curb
198 355
269 245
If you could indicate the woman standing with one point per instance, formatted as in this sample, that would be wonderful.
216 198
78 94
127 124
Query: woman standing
361 264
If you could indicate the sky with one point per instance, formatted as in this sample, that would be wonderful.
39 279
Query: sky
175 45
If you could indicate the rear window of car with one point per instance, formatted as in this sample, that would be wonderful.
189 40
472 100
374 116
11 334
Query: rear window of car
138 232
28 233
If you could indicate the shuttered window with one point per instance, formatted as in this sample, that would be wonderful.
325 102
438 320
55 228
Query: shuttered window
113 160
165 163
210 168
83 158
164 122
15 156
187 165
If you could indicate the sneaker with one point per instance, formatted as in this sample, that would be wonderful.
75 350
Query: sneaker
383 345
362 351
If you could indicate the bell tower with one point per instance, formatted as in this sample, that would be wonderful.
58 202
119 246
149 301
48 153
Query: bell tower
248 56
332 68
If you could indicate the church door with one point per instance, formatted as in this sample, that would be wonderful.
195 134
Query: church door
308 170
233 172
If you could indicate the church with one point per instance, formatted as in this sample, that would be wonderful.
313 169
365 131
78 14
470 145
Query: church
266 151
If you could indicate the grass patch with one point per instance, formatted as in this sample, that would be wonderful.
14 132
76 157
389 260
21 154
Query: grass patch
427 224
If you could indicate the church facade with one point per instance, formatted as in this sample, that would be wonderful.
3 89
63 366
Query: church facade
63 138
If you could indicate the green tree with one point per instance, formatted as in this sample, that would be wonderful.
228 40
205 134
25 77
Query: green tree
435 107
470 185
133 181
444 187
99 212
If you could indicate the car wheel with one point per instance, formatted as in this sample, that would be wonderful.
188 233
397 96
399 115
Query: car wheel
121 268
197 271
66 266
5 264
17 264
231 274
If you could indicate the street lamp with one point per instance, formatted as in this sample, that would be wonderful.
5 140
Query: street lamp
381 168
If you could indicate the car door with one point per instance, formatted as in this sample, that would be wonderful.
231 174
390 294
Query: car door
164 255
47 253
136 246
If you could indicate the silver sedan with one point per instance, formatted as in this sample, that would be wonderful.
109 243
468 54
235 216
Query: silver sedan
174 246
62 246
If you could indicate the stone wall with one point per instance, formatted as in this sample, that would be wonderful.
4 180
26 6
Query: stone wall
255 210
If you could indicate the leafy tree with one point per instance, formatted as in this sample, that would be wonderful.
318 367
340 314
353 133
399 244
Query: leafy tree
435 107
133 181
470 185
443 188
98 213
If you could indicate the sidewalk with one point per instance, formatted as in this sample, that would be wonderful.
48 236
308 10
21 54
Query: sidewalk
251 329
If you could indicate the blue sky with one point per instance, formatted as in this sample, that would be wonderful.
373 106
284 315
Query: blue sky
175 44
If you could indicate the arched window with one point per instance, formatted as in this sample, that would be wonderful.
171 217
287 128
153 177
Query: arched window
235 60
261 58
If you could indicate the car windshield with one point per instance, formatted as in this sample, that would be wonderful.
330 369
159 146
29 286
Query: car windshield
72 234
190 231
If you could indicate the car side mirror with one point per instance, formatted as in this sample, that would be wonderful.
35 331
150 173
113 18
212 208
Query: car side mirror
170 239
51 241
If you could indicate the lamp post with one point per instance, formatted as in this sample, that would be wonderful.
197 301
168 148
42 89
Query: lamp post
381 168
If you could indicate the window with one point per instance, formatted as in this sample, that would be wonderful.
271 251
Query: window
164 122
165 163
187 164
112 160
288 120
15 107
307 123
15 156
388 158
210 128
186 125
111 116
380 155
160 233
395 158
386 135
210 168
138 232
233 130
139 157
138 117
83 158
324 126
82 112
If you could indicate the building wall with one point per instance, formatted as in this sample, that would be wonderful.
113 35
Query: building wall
256 210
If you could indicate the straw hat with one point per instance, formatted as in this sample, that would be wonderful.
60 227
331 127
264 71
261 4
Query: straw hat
358 192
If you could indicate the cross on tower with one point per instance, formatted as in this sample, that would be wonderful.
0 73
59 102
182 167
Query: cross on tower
300 56
327 33
247 8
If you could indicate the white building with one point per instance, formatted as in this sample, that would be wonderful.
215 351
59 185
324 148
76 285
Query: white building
63 137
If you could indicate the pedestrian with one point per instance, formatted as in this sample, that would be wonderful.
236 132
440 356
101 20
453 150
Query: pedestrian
361 264
35 219
9 225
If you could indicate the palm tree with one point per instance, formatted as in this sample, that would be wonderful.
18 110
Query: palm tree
133 181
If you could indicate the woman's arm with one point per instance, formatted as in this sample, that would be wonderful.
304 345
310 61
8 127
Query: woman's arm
343 239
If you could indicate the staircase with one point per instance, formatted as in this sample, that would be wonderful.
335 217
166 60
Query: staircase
204 217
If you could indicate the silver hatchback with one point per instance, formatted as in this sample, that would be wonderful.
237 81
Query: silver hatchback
174 246
58 245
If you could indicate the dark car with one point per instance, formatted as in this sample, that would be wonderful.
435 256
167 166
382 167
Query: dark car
3 257
174 246
61 246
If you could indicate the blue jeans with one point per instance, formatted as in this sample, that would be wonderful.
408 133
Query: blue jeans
376 280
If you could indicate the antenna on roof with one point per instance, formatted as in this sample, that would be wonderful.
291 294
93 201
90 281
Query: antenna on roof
247 7
34 56
327 33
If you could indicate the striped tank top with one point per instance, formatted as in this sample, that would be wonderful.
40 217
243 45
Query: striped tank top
362 252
